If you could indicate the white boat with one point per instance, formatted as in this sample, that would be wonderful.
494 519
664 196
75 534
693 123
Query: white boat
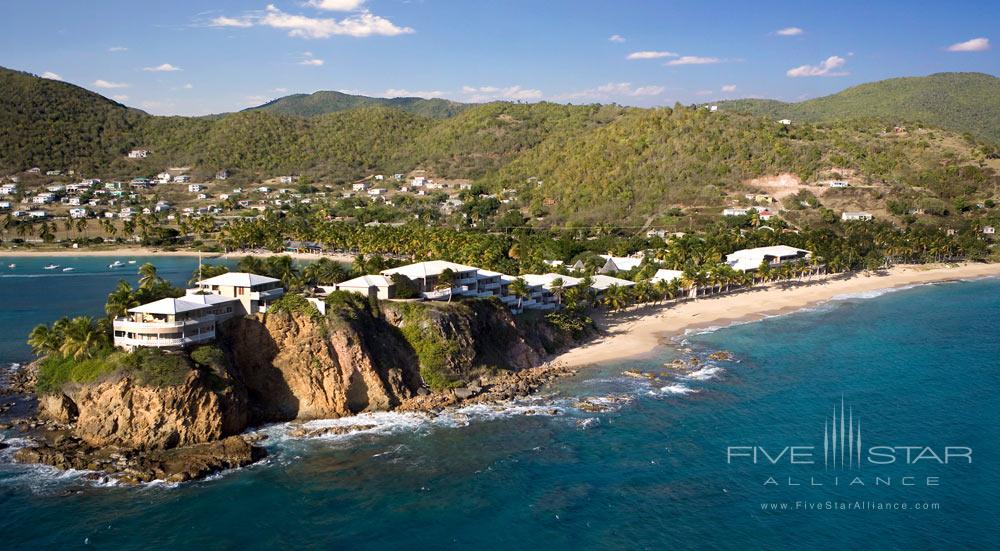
68 269
12 266
131 261
51 266
116 264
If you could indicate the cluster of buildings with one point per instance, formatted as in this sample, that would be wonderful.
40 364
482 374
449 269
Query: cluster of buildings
176 323
473 282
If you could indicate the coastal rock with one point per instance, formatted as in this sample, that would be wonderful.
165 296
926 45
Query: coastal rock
133 467
298 367
120 412
721 356
313 432
58 407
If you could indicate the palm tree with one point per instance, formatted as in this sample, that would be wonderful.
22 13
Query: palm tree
556 288
82 338
120 300
148 276
445 280
519 289
43 340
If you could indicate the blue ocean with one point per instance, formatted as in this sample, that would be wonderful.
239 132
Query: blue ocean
741 453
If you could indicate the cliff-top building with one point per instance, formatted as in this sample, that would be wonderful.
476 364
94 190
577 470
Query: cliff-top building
176 323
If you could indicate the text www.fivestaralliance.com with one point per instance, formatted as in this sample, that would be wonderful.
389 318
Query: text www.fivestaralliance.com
850 506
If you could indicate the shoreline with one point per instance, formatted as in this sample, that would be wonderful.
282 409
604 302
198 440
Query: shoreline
150 251
640 332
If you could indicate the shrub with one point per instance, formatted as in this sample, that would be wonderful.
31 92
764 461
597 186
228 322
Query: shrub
294 304
152 367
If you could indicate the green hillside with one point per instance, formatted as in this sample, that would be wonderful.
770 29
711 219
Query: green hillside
323 102
961 102
570 164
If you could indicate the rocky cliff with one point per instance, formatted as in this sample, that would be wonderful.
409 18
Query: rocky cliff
297 365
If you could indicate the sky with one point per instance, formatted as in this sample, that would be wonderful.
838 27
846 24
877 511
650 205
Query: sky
184 57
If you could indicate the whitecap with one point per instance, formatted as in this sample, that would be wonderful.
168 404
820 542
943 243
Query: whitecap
677 388
704 373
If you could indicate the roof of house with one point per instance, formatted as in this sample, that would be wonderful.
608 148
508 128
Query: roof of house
601 282
624 263
545 280
750 259
168 306
209 299
366 281
238 279
420 270
666 275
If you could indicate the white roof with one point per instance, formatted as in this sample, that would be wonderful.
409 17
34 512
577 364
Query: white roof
750 259
420 270
602 282
238 279
624 263
666 275
208 299
545 280
366 281
168 306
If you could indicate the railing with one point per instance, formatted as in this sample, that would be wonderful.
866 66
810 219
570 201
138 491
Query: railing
163 343
140 326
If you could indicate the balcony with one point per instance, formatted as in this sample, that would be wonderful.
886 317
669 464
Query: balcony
125 324
141 341
490 286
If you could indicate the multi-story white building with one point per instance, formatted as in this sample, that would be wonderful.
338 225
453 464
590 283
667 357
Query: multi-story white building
174 323
255 292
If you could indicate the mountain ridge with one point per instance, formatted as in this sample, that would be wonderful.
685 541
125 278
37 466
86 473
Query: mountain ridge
329 101
965 102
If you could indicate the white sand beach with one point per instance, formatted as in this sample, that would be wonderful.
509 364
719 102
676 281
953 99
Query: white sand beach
637 332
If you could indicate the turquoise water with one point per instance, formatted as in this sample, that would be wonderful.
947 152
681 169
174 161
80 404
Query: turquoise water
918 367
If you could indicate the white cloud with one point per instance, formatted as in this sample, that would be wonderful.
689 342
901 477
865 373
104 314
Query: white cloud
825 69
612 91
188 86
99 83
119 97
494 93
312 62
51 76
974 45
728 88
335 5
616 38
789 31
404 93
694 60
117 49
162 68
223 21
360 24
650 55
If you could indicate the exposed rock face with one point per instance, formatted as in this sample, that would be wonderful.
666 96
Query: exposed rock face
297 367
282 366
119 412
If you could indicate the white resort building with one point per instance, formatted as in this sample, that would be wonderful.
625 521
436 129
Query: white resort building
176 323
746 260
173 323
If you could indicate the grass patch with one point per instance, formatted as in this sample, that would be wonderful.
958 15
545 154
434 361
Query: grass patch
55 371
432 349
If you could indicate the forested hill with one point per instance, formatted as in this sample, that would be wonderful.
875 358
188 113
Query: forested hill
961 102
570 164
323 102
